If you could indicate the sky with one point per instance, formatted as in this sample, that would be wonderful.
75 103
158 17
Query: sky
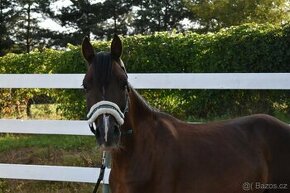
49 23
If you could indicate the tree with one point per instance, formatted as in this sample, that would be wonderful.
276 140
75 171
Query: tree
26 31
155 15
100 19
84 17
19 27
6 18
215 14
118 15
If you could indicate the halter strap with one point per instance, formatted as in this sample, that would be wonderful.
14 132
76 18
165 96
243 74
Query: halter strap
105 107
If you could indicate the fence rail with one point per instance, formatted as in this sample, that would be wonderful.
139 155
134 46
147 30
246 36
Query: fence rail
57 127
139 81
52 173
157 81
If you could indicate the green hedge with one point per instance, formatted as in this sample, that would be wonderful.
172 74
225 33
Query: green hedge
246 48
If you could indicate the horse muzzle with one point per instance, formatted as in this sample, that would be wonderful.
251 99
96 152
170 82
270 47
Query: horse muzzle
105 119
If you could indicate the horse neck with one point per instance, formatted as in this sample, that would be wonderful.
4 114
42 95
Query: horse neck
138 113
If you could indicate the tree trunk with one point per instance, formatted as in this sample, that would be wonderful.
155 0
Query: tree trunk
28 28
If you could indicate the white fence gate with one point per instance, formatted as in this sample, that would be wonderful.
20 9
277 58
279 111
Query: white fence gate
276 81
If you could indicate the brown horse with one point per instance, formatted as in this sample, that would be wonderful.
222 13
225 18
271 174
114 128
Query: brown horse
153 152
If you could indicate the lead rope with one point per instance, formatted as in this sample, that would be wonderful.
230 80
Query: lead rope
102 173
103 167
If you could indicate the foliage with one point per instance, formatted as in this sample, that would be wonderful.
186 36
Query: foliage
153 16
247 48
216 14
21 31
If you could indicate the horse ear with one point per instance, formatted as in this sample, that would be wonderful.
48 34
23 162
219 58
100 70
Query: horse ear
88 50
116 47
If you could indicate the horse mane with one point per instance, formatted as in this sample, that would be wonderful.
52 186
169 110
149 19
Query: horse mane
141 101
102 67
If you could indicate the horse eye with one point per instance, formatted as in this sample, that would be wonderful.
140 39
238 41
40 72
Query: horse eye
124 84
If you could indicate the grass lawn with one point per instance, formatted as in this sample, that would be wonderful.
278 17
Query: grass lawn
47 150
60 150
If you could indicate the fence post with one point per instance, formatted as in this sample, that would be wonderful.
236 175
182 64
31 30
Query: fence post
107 163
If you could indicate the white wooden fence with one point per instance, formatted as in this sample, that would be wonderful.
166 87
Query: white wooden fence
139 81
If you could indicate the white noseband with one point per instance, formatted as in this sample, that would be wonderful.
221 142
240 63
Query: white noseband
105 107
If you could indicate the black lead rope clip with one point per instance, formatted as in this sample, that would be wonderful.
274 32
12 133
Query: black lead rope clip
102 173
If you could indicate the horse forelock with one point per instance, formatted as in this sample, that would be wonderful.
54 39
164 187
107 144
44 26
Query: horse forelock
102 66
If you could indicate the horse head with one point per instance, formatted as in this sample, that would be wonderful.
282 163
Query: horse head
107 92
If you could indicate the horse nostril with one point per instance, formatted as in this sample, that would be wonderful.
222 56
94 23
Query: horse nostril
116 130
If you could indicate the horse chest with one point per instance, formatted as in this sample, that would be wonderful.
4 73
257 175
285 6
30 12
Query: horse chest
152 186
140 178
126 183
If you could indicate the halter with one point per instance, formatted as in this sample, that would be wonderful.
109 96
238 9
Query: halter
107 107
